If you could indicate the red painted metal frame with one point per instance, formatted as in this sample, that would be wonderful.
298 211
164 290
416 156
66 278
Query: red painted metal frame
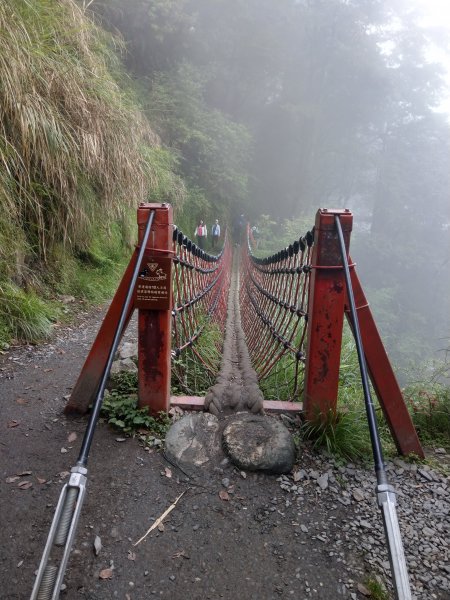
154 326
327 306
83 393
382 376
325 314
154 330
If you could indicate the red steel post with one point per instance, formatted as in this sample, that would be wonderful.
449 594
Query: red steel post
153 299
325 314
383 378
85 389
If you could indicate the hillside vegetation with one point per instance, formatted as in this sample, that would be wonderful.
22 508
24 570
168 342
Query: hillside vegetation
278 107
76 155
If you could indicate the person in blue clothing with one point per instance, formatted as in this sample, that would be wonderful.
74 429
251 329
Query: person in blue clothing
255 235
215 234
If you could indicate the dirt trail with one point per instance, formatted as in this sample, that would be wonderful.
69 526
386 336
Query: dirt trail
267 538
251 546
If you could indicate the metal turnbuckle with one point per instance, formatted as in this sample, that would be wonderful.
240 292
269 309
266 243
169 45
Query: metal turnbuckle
385 493
51 570
62 531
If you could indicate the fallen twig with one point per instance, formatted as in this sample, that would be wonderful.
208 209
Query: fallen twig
160 519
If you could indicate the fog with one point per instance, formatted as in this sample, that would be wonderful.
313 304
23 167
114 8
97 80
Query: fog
279 107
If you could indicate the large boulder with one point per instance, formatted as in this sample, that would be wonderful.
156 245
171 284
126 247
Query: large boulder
259 443
194 440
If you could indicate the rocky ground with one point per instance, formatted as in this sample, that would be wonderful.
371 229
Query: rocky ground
313 533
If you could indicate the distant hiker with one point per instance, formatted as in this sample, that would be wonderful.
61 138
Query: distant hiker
215 232
239 228
255 234
201 233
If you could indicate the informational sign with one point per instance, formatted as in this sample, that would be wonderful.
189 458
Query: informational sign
153 285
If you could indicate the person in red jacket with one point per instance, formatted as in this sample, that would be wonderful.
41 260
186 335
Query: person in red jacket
201 233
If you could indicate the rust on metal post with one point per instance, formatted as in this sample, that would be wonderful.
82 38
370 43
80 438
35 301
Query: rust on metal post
153 299
325 314
382 376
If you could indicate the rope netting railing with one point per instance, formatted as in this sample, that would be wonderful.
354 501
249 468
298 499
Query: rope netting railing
274 314
200 284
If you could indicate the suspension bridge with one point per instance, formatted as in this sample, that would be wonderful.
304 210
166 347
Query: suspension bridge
276 322
291 308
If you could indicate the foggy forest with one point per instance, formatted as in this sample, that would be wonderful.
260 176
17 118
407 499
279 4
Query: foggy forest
279 107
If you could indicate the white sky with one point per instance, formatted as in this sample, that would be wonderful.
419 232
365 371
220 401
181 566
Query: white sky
436 13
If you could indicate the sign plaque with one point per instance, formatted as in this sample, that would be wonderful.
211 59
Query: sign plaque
153 285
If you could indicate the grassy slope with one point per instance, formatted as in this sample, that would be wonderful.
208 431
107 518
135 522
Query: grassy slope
76 155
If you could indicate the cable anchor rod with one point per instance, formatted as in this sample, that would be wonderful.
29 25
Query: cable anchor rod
53 565
386 496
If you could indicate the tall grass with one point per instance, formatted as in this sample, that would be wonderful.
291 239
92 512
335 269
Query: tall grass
197 367
76 153
343 433
285 381
70 137
429 406
346 433
24 315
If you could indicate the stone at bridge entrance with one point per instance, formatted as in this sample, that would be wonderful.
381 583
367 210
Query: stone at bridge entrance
259 443
253 442
194 440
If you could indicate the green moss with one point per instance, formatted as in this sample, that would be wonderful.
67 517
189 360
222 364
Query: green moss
94 272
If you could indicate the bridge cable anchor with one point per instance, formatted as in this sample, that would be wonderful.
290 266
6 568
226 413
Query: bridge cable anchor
386 495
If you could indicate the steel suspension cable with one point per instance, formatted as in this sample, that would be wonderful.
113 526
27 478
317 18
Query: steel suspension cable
95 413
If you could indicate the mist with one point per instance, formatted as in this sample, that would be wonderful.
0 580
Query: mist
279 107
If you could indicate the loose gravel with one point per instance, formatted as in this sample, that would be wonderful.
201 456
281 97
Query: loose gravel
423 508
